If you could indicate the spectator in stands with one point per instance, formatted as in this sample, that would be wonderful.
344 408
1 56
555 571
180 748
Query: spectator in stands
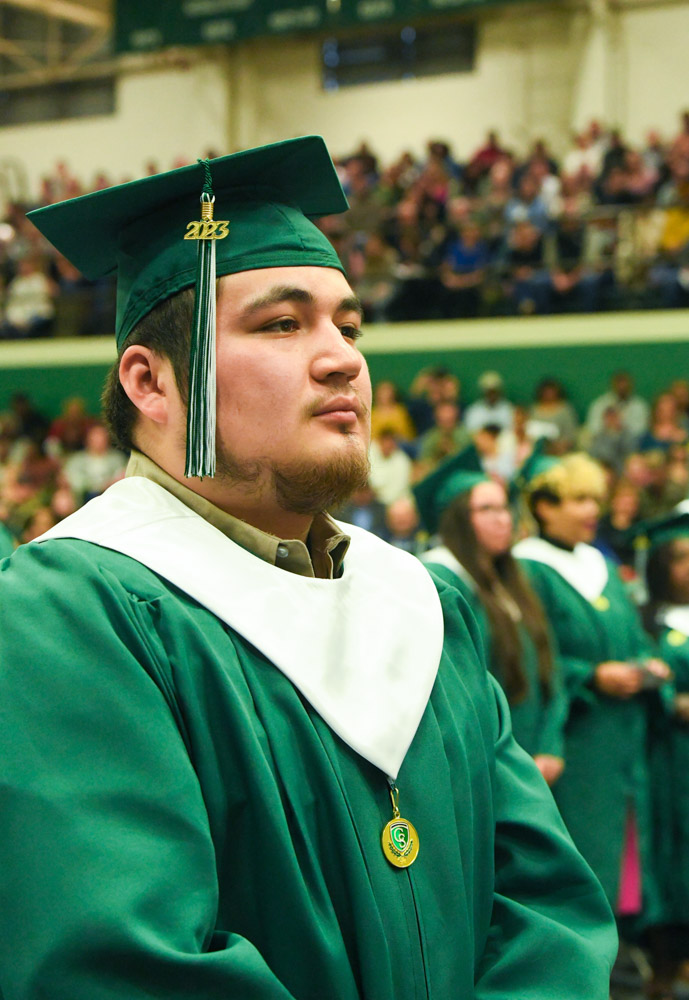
492 409
680 390
633 410
365 511
484 157
583 160
614 538
430 387
463 271
660 491
551 406
402 520
446 437
67 433
574 285
391 468
613 443
389 413
372 273
664 428
93 469
528 204
29 303
23 420
527 282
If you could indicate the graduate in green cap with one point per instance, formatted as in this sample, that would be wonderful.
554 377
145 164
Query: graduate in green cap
666 616
609 667
470 513
244 755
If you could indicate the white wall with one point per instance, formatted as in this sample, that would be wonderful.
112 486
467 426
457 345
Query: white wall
541 70
160 115
655 69
521 86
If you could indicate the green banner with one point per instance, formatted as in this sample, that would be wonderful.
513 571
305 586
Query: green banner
142 25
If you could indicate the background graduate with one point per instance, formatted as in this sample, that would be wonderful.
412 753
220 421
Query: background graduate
470 513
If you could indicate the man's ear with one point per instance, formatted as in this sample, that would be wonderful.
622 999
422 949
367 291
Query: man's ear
149 381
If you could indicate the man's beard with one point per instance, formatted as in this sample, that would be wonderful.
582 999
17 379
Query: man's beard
300 487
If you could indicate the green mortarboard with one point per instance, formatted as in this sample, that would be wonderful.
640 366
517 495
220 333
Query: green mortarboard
535 465
454 476
255 212
657 531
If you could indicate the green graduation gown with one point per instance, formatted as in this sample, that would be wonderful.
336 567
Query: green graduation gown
179 822
670 777
537 722
606 767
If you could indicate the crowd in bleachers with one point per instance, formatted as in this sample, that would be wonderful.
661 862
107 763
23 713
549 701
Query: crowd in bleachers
604 226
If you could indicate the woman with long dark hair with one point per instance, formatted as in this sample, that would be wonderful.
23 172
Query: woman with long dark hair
472 516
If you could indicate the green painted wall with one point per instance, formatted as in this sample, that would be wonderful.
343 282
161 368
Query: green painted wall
584 371
582 351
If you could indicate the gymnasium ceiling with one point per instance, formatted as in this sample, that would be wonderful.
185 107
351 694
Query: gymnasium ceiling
45 41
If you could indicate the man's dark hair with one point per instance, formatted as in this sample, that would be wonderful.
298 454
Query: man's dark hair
165 330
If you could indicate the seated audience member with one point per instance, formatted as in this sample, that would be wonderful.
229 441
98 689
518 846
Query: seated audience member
613 443
391 468
679 388
633 410
388 412
551 406
463 271
516 444
583 159
29 303
446 437
93 469
528 205
372 273
608 664
574 285
487 155
614 535
491 409
67 433
363 510
471 516
664 428
402 521
430 387
527 281
659 490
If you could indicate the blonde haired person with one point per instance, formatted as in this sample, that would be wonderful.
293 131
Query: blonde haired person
609 671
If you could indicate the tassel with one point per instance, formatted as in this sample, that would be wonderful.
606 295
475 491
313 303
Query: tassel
201 413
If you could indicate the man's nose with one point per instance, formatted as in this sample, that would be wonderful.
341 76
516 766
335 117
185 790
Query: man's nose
335 355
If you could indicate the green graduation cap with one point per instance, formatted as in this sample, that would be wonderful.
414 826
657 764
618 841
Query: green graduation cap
454 476
183 228
535 465
657 531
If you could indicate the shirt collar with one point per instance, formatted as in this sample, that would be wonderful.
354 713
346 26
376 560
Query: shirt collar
322 556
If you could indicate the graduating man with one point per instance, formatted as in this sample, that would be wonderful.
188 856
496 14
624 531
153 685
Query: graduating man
244 755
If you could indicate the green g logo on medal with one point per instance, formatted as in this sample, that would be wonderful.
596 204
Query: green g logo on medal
400 843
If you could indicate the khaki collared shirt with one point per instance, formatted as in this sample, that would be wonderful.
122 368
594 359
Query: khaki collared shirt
321 557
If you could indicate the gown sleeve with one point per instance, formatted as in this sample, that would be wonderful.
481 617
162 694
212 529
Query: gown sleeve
552 934
108 885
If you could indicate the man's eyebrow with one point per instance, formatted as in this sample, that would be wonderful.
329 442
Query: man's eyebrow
351 304
276 295
292 293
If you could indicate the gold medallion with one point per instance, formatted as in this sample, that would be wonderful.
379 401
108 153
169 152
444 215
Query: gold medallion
601 603
676 638
399 839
